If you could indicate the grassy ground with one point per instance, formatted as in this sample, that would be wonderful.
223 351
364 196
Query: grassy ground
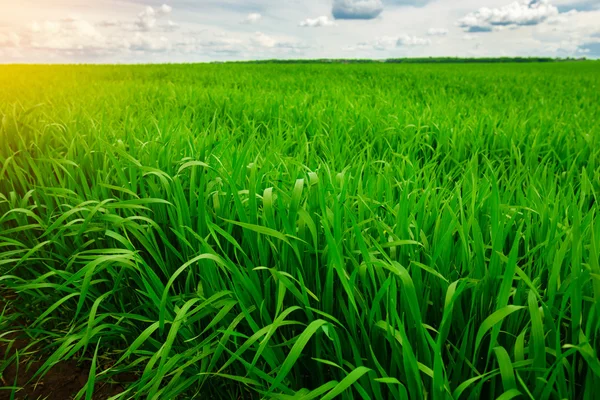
314 231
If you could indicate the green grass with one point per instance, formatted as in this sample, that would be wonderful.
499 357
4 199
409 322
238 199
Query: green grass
314 231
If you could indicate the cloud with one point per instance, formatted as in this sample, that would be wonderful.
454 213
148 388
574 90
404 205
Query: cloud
317 22
109 23
145 43
562 18
412 41
382 43
9 40
592 49
216 45
170 26
437 32
228 45
569 34
147 33
412 3
527 12
74 36
566 47
147 19
356 9
164 10
262 41
67 35
387 43
579 5
213 31
252 18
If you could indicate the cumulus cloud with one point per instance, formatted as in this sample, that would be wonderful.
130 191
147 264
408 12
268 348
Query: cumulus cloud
381 43
171 26
566 47
150 19
413 3
437 32
412 41
258 45
569 34
74 36
317 22
356 9
164 9
527 12
579 5
261 41
387 43
9 40
109 23
252 18
213 45
145 43
69 34
147 19
149 32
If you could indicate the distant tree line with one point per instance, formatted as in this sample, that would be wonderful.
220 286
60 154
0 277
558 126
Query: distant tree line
454 60
422 60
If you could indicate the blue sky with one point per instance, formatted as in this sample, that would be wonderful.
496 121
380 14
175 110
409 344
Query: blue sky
132 31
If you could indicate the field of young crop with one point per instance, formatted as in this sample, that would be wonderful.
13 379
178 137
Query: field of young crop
303 231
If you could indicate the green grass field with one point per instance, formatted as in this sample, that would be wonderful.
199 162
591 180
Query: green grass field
306 231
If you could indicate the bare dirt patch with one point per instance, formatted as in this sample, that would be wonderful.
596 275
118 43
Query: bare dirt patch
62 382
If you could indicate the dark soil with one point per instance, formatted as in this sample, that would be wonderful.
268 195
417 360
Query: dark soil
62 382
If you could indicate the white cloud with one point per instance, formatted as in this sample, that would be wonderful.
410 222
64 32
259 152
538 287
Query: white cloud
526 12
11 53
109 23
413 3
569 34
214 45
411 41
164 10
387 43
171 26
74 36
317 22
437 32
211 30
382 43
151 19
356 9
252 18
562 18
9 40
147 19
227 45
263 40
67 35
145 43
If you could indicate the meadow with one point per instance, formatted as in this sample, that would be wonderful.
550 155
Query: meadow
304 231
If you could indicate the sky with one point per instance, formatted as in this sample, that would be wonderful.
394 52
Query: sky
148 31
